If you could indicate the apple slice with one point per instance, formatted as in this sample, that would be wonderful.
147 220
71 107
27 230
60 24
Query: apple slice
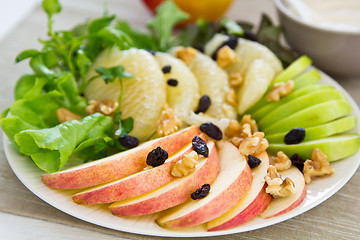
299 104
270 106
173 193
229 188
280 206
320 131
311 116
133 185
119 165
335 148
254 202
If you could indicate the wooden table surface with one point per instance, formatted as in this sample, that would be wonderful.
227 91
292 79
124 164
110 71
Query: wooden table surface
24 216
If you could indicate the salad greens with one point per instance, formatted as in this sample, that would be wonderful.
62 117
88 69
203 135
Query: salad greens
58 80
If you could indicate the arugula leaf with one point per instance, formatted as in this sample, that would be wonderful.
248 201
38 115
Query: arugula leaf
51 7
26 54
125 126
232 27
112 73
50 148
167 15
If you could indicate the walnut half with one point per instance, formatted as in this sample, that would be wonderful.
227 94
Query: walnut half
254 145
186 165
226 57
281 161
280 90
168 122
277 186
316 167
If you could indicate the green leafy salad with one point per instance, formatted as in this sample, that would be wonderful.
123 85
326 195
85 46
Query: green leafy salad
58 80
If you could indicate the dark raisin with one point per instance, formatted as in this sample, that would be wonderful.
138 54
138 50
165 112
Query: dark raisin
152 52
231 43
204 104
297 161
253 161
201 192
172 82
129 141
296 135
166 69
199 146
211 130
199 47
156 157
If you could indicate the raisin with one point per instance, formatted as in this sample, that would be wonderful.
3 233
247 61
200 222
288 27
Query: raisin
296 135
253 161
199 146
297 161
231 43
172 82
156 157
211 130
199 47
201 192
204 104
129 141
152 52
166 69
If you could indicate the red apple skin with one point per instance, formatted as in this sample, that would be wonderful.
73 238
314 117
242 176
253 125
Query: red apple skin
218 206
175 196
131 186
292 206
256 207
117 166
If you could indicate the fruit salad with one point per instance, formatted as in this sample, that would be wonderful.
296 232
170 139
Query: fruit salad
213 130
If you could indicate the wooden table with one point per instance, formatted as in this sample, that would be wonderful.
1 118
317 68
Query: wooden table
24 216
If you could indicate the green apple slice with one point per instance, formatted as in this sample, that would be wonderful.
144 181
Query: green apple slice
295 94
311 116
308 78
296 68
335 148
299 104
320 131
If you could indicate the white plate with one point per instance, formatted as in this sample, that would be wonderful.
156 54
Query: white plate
318 191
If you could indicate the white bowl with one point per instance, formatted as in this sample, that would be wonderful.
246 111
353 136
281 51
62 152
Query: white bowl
333 51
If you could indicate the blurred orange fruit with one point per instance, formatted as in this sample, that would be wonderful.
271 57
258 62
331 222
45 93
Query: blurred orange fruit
198 9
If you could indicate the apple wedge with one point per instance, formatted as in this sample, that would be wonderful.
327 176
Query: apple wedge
254 202
299 104
133 185
173 193
320 131
280 206
311 116
229 188
119 165
270 106
335 148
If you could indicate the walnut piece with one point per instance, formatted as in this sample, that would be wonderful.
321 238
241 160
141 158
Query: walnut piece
247 119
186 165
280 90
231 98
64 115
316 167
235 80
225 57
105 106
254 145
235 132
281 161
186 54
168 122
276 186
